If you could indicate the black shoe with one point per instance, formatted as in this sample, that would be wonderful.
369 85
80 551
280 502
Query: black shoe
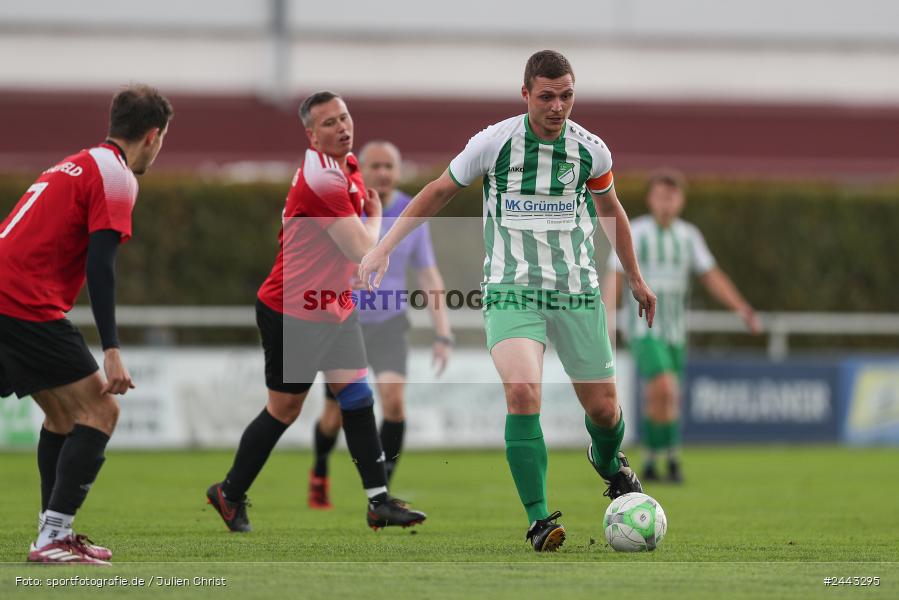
234 514
392 512
674 472
650 473
623 482
545 534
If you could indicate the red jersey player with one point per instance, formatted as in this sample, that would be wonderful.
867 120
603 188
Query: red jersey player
307 321
65 229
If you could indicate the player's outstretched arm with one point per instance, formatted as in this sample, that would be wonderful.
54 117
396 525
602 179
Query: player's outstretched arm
101 251
617 227
431 281
426 203
611 293
723 289
355 237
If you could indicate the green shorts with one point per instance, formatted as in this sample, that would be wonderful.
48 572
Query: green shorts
574 323
654 357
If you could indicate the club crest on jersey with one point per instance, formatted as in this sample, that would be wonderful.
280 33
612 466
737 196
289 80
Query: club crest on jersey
565 173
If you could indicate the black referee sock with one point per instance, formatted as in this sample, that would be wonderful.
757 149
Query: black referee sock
49 446
392 433
256 443
79 462
365 447
323 447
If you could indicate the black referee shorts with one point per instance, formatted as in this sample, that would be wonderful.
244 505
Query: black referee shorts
300 349
37 356
387 344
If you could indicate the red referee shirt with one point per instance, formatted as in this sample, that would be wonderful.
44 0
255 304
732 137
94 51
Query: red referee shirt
311 276
43 241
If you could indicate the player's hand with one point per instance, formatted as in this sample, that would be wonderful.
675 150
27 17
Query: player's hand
645 298
372 203
753 324
440 356
357 284
118 379
375 262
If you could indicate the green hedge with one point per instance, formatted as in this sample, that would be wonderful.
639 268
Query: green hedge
788 246
194 242
799 246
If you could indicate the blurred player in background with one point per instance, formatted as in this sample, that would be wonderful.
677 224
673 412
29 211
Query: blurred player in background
307 322
385 323
65 229
545 181
669 250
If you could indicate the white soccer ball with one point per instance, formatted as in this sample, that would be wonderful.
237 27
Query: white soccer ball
634 523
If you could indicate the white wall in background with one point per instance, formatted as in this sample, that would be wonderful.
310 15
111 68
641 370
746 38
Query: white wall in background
800 50
793 21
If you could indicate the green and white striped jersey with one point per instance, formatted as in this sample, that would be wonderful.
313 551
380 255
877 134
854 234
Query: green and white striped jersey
667 258
539 218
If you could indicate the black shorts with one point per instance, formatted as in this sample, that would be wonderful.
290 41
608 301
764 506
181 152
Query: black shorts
37 356
386 344
300 349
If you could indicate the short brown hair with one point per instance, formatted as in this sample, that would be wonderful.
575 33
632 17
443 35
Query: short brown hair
666 176
314 100
546 63
136 110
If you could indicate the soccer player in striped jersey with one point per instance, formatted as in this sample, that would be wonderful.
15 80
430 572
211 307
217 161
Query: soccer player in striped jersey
669 250
546 180
67 228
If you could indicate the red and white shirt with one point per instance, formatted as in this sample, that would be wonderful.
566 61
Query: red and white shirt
43 241
311 278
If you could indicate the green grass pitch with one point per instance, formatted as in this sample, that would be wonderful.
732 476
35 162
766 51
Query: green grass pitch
749 522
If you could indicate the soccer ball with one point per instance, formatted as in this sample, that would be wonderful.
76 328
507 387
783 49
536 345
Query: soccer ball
634 523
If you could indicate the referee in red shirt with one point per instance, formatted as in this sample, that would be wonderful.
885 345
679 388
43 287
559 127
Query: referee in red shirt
65 229
307 320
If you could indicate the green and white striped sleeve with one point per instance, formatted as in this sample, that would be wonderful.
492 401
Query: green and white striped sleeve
601 178
475 160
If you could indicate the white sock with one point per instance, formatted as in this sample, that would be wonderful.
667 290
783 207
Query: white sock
40 521
372 492
56 525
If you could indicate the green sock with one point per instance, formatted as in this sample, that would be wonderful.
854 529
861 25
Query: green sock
606 443
655 435
526 454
